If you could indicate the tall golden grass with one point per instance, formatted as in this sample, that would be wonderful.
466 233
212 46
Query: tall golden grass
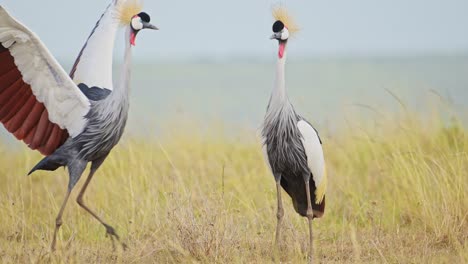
397 194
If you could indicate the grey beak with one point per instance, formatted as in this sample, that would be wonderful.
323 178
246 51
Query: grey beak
149 26
276 35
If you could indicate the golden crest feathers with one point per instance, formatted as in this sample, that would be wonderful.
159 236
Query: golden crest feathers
280 13
126 9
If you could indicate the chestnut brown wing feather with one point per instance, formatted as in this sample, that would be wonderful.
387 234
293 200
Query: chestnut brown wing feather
22 114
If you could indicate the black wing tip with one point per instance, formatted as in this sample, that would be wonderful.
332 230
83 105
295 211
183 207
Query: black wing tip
32 170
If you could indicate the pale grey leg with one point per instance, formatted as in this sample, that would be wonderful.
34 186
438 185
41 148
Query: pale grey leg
109 229
58 221
279 214
310 217
75 169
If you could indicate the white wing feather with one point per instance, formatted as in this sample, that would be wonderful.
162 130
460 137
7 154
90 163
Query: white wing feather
50 84
313 150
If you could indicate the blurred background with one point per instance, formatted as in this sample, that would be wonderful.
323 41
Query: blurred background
213 60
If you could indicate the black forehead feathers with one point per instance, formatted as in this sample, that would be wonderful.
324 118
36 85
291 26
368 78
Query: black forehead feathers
144 17
278 26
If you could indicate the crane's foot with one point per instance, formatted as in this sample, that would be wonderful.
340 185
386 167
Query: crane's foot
278 243
58 224
310 255
52 245
276 256
110 231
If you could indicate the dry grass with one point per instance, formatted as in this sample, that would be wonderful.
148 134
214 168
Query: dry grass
397 194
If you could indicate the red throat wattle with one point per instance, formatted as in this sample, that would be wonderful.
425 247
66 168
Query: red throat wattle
132 38
282 45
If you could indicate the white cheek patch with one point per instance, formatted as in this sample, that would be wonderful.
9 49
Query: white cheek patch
285 34
136 23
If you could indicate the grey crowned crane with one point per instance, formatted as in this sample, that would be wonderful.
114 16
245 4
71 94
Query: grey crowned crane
74 119
291 145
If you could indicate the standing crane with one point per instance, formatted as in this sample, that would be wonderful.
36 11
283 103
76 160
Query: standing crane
75 119
292 147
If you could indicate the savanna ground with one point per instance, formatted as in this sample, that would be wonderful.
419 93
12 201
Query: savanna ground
397 194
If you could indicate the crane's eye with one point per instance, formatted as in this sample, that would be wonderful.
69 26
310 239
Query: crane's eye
278 26
136 23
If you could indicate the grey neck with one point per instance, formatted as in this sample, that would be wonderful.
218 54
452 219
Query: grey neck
280 119
118 100
279 98
123 89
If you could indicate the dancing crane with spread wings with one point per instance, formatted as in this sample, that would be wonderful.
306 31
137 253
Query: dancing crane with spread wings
71 119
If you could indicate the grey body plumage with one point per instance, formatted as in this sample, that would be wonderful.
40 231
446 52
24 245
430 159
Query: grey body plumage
102 133
286 154
283 140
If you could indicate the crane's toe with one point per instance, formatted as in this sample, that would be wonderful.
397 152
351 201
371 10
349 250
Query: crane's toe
110 231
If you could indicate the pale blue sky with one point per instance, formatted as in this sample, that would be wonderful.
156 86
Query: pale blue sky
222 29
